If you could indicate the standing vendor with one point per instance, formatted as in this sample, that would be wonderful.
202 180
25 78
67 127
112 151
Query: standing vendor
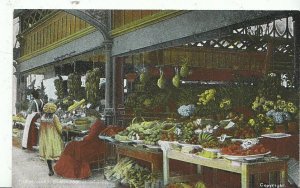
30 134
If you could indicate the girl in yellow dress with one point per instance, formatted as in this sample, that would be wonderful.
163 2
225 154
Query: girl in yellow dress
50 140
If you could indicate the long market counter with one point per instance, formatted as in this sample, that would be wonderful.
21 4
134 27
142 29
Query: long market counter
245 169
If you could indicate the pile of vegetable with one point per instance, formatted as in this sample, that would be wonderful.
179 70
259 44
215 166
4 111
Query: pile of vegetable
238 150
127 171
188 133
149 131
19 118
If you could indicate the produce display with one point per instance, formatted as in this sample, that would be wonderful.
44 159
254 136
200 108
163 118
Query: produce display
206 97
152 136
207 154
82 123
188 133
92 86
205 138
148 131
76 105
237 150
19 118
128 172
59 87
74 86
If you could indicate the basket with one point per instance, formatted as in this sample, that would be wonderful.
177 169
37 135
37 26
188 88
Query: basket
135 120
168 127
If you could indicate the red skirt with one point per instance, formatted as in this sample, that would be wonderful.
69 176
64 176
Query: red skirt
33 133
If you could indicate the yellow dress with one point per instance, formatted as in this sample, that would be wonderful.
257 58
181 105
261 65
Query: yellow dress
50 141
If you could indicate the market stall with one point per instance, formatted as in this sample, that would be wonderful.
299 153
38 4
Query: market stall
218 106
223 101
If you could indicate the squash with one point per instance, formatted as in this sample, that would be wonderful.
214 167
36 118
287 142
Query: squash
176 80
161 82
184 70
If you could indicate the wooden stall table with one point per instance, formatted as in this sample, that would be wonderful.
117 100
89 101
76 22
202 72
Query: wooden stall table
283 146
245 169
154 157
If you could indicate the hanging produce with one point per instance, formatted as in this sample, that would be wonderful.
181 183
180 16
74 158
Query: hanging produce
92 86
144 77
74 86
161 82
184 70
58 83
176 78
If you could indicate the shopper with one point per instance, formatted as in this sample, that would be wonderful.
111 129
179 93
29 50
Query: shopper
50 141
30 134
77 156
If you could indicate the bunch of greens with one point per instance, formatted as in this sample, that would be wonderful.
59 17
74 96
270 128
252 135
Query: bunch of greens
128 172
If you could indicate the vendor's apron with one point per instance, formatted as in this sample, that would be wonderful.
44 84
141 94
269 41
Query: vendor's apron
28 123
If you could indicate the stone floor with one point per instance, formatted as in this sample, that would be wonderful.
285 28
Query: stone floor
29 171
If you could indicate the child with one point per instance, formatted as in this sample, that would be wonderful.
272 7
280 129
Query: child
50 141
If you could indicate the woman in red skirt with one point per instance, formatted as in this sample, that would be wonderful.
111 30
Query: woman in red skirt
30 133
75 159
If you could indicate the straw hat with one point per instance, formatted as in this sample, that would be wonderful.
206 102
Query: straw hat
50 108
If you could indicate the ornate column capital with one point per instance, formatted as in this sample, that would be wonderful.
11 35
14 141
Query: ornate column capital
107 45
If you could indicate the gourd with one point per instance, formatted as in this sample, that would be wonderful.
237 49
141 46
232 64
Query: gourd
144 77
200 185
161 82
184 70
176 80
